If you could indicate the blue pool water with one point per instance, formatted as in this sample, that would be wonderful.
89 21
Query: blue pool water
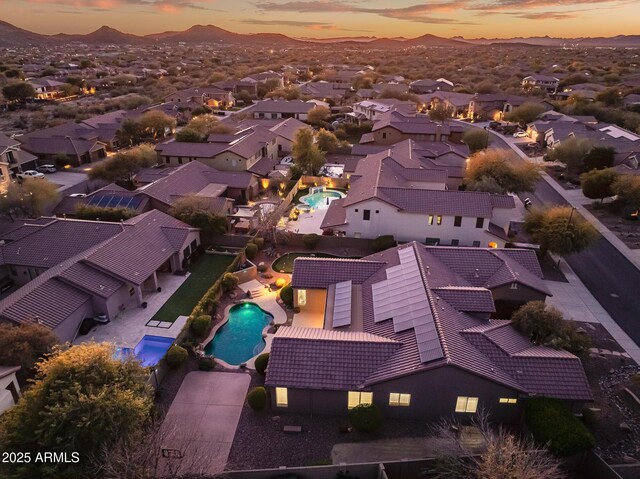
151 349
240 338
321 199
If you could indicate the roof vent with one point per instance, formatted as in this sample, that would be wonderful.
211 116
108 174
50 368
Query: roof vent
477 273
428 271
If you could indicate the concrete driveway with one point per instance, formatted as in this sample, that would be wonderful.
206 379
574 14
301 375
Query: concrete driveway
202 421
66 179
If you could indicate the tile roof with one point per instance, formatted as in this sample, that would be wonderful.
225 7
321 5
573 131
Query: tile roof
86 277
336 215
321 272
468 299
281 106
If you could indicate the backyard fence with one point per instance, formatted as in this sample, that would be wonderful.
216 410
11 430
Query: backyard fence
324 181
333 242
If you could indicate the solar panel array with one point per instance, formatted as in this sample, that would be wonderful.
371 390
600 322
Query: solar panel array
402 297
342 304
115 201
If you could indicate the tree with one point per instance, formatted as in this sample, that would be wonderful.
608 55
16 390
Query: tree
81 400
90 212
189 135
196 211
306 154
500 167
610 97
476 139
599 157
318 116
571 152
18 92
327 141
559 229
24 345
156 123
203 124
67 90
441 112
544 325
125 164
525 113
30 198
130 132
627 187
598 184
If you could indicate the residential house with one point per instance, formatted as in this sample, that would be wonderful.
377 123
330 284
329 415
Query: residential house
285 132
493 106
373 110
458 103
409 330
263 77
537 81
211 96
331 92
393 127
47 89
13 160
9 388
391 193
426 85
69 269
281 109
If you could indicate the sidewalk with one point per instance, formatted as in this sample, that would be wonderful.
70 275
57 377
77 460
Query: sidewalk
577 303
576 199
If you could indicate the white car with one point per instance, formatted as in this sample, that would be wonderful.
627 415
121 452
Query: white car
30 174
46 169
520 134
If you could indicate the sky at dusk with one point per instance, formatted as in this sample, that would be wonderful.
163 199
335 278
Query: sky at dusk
331 18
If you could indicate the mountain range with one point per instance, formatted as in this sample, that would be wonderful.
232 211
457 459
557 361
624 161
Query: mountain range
12 36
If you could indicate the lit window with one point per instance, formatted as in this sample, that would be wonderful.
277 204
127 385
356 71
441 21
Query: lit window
282 399
399 399
355 398
430 220
466 404
302 297
508 400
439 220
493 244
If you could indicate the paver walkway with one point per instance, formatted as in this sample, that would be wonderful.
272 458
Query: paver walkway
202 421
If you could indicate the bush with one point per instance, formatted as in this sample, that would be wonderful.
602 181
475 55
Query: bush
257 398
259 242
550 422
200 325
176 356
311 240
229 281
286 295
206 363
382 243
365 417
261 363
251 251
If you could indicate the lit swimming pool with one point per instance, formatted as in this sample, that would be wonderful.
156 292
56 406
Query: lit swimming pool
149 351
320 200
240 338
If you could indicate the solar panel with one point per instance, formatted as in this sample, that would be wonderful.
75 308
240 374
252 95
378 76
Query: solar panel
115 201
342 304
403 298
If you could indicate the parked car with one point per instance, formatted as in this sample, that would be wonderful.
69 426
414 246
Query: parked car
30 174
46 169
520 134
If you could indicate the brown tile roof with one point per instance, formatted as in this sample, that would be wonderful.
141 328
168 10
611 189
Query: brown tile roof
85 277
336 215
321 272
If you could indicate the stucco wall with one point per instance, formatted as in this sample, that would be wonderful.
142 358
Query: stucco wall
68 329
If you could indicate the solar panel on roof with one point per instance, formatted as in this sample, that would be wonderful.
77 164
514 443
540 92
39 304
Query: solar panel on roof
115 201
403 298
342 304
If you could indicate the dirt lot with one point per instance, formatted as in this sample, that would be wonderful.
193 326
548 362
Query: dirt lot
627 230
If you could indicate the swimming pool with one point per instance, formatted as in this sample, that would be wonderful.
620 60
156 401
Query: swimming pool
149 351
320 200
240 338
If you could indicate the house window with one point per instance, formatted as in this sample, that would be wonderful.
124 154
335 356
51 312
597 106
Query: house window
514 285
302 297
432 241
282 397
366 215
493 244
480 223
179 160
508 400
355 398
439 220
430 220
476 244
356 210
455 242
457 221
399 399
384 135
466 404
377 211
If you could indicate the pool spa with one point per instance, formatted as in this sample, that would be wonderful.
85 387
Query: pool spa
149 351
240 338
320 198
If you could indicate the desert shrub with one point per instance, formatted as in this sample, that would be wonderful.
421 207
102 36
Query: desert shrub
382 243
310 240
257 398
200 325
251 251
229 281
259 242
176 356
286 295
206 363
552 423
261 363
365 417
